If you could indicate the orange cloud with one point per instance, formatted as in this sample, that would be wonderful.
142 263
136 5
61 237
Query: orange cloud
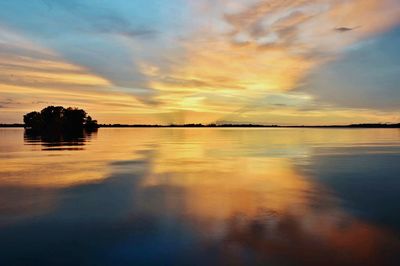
32 77
266 47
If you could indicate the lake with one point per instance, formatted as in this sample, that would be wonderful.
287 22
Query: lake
201 196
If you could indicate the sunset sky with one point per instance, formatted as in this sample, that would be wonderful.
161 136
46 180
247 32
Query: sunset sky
283 62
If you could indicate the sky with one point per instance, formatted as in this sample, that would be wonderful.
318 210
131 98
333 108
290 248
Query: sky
288 62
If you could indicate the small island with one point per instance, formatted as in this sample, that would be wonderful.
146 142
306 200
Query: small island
60 120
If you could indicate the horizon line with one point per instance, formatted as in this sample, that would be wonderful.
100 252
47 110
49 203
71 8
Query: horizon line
249 125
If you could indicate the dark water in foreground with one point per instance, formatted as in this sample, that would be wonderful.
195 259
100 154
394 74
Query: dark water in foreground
201 197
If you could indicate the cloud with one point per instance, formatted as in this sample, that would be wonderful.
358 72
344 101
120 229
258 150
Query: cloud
112 24
104 38
344 29
303 26
364 77
7 103
32 77
99 21
24 63
199 60
271 46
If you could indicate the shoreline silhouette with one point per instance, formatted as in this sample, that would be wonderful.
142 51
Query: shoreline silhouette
367 125
57 119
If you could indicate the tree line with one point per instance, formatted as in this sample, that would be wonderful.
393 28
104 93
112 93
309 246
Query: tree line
59 119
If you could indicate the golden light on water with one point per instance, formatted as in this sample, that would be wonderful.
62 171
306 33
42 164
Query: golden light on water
236 188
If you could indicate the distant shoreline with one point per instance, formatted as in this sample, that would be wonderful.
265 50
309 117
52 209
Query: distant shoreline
369 125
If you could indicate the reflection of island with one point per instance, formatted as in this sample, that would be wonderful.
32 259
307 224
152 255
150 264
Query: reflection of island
58 141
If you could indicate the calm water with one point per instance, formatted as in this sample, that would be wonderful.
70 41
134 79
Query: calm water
201 197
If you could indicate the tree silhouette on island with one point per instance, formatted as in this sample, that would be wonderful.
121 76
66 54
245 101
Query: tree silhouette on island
59 120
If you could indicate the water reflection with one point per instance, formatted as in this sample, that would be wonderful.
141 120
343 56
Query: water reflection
202 197
366 179
59 141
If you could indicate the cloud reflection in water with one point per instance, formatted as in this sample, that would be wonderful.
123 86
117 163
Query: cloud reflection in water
198 196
